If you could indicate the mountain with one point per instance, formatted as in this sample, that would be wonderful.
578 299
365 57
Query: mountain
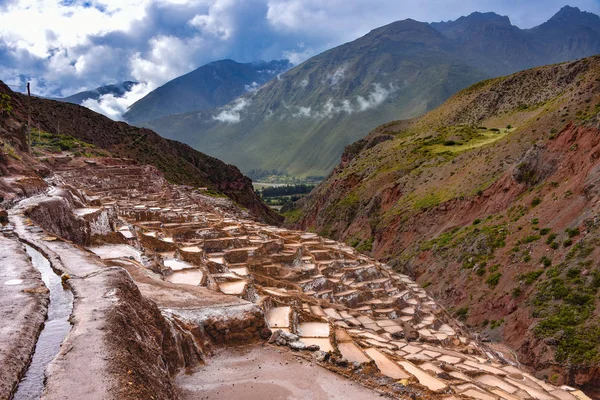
299 124
209 86
491 201
62 123
117 90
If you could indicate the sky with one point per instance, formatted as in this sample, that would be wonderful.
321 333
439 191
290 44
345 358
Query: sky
66 46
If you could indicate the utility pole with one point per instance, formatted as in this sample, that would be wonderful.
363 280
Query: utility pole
29 117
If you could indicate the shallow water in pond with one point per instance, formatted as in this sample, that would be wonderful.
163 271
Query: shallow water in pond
186 277
56 328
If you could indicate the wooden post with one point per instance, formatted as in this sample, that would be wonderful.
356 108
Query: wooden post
29 117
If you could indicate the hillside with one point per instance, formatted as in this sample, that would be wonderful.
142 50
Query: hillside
116 90
490 201
72 126
300 123
212 85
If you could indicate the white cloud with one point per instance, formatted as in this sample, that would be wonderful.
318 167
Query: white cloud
338 75
303 112
232 114
114 107
66 46
374 98
253 87
298 56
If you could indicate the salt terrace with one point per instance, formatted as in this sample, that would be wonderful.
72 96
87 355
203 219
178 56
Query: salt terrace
196 255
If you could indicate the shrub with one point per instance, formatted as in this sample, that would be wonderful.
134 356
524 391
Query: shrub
536 201
516 292
572 232
462 313
544 231
567 243
495 324
530 277
531 238
493 279
546 262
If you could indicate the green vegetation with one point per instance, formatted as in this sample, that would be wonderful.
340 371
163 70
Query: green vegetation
565 303
42 141
281 195
462 313
572 232
5 105
365 246
292 216
496 323
493 280
457 139
530 277
546 262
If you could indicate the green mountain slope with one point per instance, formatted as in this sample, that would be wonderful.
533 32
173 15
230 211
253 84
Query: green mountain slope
300 123
212 85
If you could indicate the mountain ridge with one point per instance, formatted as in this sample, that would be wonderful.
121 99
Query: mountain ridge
118 90
209 86
400 70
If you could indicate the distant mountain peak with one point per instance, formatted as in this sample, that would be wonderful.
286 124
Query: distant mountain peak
474 20
487 17
569 17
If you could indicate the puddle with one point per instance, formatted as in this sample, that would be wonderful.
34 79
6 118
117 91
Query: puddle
278 317
313 329
55 329
116 251
177 265
236 287
186 277
84 211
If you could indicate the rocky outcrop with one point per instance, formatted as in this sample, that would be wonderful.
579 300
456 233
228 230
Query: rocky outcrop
57 214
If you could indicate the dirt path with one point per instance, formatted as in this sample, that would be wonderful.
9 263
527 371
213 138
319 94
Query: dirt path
83 353
23 304
264 372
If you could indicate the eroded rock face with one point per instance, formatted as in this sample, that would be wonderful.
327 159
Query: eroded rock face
58 214
156 350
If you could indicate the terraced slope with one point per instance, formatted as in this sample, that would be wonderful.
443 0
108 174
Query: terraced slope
201 276
72 127
490 201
